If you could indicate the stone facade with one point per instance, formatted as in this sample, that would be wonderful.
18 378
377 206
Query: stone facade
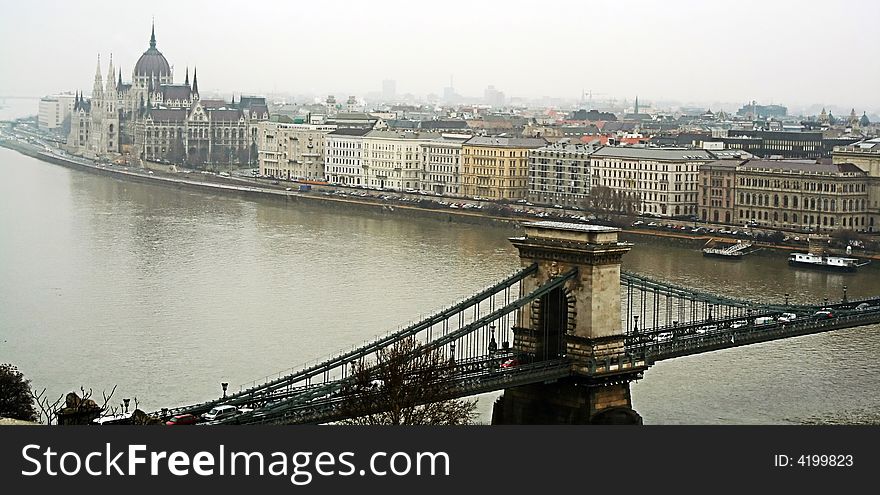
716 194
155 120
344 156
663 181
497 167
441 164
560 174
866 156
579 321
393 160
802 195
292 150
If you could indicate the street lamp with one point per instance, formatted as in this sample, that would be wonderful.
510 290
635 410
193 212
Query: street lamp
125 402
786 298
844 294
224 385
452 351
493 346
636 324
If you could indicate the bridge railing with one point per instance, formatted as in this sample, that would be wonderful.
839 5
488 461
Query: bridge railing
725 338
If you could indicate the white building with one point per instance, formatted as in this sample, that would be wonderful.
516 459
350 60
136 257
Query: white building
54 109
344 155
560 173
441 164
292 150
663 181
393 160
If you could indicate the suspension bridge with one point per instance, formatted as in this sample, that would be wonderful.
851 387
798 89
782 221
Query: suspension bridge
572 329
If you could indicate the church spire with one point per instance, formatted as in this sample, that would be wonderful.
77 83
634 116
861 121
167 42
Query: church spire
98 88
186 82
111 75
119 84
153 35
195 87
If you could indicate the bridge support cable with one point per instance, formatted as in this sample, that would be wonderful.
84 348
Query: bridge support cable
470 343
322 372
642 282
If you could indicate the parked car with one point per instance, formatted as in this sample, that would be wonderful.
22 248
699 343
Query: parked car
182 419
220 412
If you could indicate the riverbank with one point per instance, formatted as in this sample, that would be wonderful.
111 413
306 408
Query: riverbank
255 191
329 197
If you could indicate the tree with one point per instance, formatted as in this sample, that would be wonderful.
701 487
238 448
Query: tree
16 401
404 388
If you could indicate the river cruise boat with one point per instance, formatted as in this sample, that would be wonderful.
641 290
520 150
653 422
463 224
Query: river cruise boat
836 263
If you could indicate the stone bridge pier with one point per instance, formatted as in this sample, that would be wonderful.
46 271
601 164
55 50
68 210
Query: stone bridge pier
579 321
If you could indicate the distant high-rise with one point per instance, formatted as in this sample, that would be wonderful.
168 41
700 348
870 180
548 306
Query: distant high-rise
493 97
389 90
449 95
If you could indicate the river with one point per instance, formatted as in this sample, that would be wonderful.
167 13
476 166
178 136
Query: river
166 293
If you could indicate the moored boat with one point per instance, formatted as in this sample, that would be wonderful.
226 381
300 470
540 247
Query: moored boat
835 263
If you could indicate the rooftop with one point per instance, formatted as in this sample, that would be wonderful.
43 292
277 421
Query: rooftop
506 142
654 153
801 166
574 227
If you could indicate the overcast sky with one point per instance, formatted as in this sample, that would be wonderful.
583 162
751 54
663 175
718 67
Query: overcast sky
789 52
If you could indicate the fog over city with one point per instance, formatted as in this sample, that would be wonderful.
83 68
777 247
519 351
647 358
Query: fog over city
796 53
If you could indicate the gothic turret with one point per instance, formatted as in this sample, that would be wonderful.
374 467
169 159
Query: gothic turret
186 81
111 78
97 89
195 86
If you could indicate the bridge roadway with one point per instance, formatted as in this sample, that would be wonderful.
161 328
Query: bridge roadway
707 336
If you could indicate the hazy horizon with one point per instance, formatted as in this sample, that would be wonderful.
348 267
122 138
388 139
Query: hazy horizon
798 54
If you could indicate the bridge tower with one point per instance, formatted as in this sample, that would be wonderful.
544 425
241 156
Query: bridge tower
581 322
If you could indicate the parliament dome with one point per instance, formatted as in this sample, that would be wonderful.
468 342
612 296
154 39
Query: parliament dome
152 62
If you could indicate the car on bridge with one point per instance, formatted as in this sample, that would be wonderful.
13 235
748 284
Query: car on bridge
220 413
786 317
823 314
706 328
510 363
739 324
764 320
182 419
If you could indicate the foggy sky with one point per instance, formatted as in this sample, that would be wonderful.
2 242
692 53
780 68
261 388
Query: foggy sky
789 52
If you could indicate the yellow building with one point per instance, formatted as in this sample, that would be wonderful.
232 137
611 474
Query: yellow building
497 167
865 155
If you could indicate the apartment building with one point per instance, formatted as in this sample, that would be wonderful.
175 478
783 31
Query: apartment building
497 167
663 181
560 173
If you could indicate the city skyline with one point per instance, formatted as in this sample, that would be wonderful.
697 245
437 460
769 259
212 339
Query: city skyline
521 51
